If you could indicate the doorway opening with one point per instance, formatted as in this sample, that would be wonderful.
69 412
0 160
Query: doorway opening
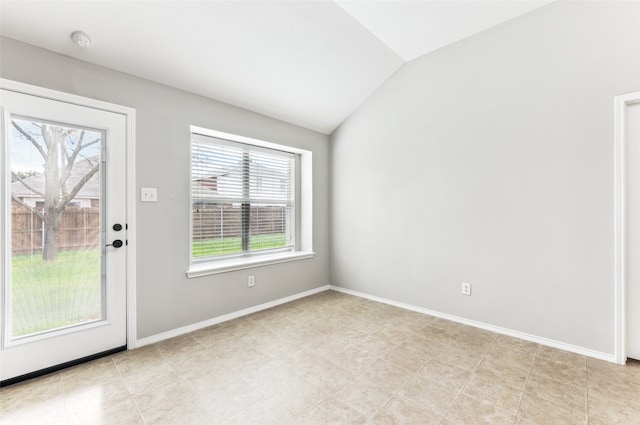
627 227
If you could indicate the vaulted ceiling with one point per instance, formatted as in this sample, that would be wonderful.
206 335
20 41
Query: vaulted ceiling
310 63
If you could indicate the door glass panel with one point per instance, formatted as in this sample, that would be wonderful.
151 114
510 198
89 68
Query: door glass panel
56 261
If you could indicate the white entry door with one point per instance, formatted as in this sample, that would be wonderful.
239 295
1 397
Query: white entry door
64 233
632 137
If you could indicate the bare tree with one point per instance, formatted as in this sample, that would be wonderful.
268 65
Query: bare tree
60 148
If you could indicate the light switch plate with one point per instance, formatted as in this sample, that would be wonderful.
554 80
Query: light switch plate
148 194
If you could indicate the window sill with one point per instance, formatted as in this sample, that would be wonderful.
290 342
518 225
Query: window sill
205 269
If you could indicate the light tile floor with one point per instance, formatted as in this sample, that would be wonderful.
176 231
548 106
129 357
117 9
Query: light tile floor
333 359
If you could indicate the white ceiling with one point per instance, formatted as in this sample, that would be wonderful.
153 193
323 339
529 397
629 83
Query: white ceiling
309 63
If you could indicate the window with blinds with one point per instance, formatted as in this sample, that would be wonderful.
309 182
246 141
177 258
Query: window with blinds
242 199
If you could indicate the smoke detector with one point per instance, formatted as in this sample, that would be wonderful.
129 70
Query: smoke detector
81 39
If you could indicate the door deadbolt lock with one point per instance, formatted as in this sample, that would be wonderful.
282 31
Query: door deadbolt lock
117 227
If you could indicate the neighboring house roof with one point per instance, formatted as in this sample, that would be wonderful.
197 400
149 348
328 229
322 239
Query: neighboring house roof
223 186
90 190
203 189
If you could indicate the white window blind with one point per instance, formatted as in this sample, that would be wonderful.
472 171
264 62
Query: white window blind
242 199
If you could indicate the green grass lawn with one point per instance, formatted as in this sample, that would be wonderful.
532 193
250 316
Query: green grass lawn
49 295
212 247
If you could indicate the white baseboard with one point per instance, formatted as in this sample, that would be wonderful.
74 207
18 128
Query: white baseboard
497 329
504 331
226 317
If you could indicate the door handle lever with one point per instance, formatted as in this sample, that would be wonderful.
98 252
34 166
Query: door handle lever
116 243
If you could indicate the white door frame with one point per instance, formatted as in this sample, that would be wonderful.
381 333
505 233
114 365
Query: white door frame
620 183
130 170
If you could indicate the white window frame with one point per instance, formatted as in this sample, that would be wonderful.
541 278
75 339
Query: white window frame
303 247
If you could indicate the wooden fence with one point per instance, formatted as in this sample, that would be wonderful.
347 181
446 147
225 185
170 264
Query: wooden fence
79 229
213 222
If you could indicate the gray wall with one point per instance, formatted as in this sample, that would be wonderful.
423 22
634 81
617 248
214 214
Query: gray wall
166 299
491 161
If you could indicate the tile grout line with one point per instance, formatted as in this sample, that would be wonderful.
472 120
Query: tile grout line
444 417
443 346
322 400
460 391
332 393
124 381
526 382
378 358
182 378
325 394
583 388
397 392
586 371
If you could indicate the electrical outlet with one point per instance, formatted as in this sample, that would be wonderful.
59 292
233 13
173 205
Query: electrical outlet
466 288
251 282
